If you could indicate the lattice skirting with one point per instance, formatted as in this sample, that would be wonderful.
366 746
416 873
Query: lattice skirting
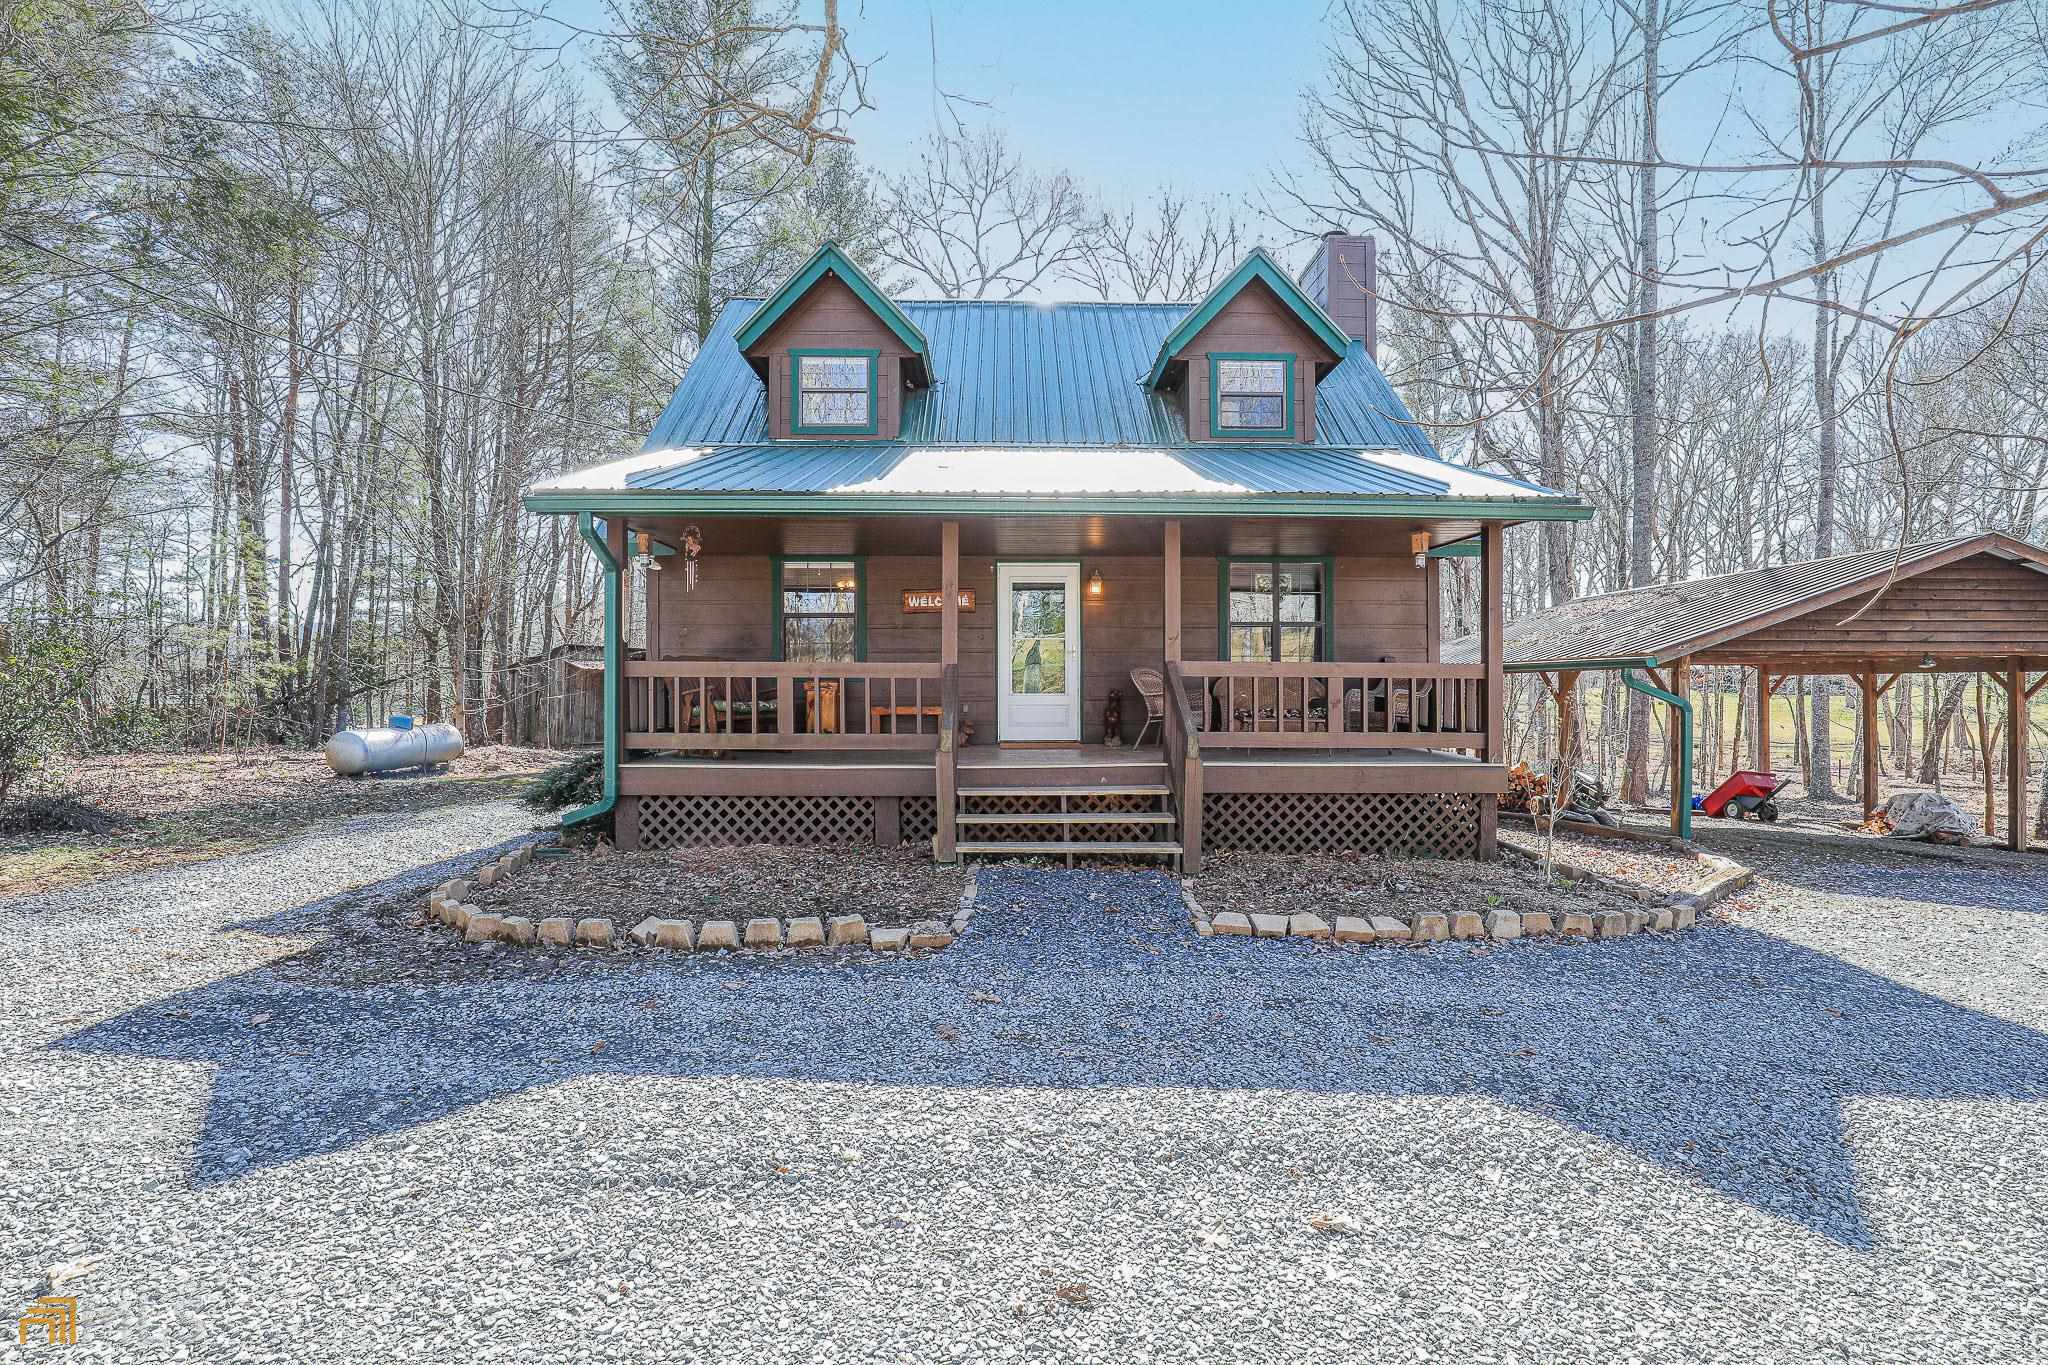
919 819
1027 802
1398 825
679 821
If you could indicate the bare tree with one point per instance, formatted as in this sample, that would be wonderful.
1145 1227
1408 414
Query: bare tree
1172 248
973 222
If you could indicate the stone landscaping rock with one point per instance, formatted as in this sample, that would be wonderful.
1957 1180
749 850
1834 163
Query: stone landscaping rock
1467 924
458 917
1683 916
675 933
1270 926
888 940
808 932
764 932
643 932
1351 929
1387 927
1615 924
516 929
1429 927
454 890
1305 925
556 930
1230 922
1537 922
845 929
930 934
1576 925
1661 920
481 928
1503 924
595 931
716 934
487 875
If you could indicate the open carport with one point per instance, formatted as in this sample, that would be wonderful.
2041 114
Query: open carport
1969 604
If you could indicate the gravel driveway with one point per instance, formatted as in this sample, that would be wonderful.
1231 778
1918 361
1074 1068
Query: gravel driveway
1081 1134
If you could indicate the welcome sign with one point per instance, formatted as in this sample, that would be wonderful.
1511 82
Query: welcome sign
933 599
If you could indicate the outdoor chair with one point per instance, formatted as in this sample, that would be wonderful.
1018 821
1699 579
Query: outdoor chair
1151 685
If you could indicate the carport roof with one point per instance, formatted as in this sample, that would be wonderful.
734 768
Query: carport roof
1676 620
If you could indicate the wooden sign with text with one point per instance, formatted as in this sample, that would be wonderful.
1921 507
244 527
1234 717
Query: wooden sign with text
934 600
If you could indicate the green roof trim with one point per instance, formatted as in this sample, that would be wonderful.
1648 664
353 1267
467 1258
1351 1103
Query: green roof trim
643 503
1257 266
1457 549
829 259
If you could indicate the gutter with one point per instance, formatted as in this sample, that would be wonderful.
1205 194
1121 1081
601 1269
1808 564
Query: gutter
1418 507
1581 665
598 809
1681 781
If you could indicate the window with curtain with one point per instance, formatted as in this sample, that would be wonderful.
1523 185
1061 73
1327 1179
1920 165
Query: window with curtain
820 611
1249 395
1276 610
835 391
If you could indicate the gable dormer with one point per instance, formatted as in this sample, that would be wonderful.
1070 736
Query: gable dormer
1246 360
835 354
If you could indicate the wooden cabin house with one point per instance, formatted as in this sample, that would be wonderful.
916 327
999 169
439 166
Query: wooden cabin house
1022 577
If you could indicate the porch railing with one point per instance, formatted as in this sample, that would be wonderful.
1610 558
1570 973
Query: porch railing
1183 766
703 704
1330 705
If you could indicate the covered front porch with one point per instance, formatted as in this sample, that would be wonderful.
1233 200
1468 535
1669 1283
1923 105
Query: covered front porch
985 655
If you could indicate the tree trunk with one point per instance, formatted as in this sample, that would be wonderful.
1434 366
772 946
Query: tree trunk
1937 731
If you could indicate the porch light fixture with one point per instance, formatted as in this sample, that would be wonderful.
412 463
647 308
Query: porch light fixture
647 559
1418 545
1095 583
845 584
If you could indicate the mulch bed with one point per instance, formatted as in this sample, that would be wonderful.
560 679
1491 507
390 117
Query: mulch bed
1652 865
891 887
1362 884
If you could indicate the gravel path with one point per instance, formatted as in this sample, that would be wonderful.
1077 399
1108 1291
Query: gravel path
1080 1134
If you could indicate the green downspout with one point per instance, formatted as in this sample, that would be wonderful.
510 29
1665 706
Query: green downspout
602 807
1682 779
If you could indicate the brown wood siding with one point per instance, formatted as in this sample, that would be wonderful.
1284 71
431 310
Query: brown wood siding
1255 320
1982 606
831 314
1377 609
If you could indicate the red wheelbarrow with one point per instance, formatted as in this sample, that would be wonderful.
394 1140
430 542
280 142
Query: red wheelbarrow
1746 793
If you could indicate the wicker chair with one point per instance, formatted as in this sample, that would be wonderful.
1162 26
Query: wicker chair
1151 685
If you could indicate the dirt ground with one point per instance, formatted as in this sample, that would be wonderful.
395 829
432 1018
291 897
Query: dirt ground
890 886
1360 884
147 810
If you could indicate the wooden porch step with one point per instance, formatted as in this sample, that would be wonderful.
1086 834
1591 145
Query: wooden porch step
1075 817
1033 848
1114 789
1055 776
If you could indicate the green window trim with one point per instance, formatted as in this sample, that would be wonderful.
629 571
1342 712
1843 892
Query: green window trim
776 648
873 356
1325 622
1279 433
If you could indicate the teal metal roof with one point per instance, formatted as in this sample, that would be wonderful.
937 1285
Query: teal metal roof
1025 374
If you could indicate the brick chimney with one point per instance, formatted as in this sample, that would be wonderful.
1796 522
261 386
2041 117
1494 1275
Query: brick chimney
1342 278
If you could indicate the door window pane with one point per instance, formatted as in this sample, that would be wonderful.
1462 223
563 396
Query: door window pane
1038 639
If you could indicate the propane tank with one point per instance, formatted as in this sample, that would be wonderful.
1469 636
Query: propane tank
382 748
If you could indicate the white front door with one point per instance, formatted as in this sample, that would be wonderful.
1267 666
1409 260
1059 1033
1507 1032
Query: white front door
1038 652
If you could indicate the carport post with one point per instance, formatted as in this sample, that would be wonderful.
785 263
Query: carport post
2016 727
1681 748
1869 681
1760 741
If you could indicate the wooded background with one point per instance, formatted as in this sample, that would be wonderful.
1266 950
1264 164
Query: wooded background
291 311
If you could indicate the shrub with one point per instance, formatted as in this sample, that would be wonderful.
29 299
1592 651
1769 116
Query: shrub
45 670
577 782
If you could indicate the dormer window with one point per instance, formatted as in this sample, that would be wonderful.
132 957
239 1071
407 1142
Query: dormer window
832 392
1251 395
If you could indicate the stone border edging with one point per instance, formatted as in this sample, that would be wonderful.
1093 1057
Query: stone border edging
763 933
1595 830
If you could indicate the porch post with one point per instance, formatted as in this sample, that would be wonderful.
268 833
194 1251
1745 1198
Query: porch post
1681 788
1869 755
944 787
2016 727
1171 591
626 824
949 591
1760 739
1492 653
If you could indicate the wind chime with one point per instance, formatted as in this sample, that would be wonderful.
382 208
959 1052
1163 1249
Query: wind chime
693 546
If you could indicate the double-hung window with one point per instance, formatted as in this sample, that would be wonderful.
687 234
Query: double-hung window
1251 395
818 606
832 392
1276 611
